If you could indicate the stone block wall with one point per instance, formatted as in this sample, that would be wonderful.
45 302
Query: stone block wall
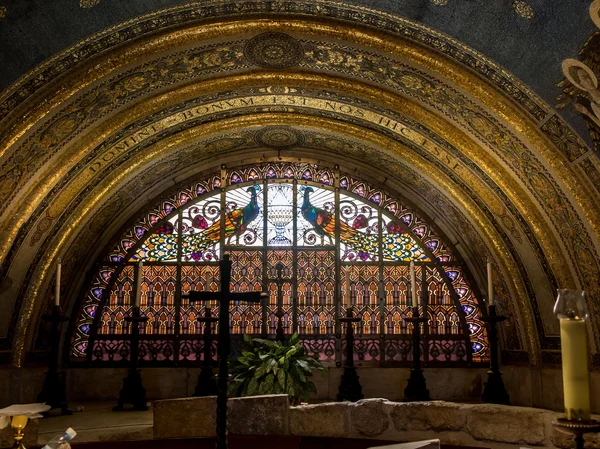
480 425
527 387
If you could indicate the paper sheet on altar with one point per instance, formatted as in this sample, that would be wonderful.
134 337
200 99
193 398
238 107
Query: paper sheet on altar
425 444
29 410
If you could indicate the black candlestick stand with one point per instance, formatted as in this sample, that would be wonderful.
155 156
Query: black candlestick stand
224 342
54 389
207 386
416 389
133 391
577 429
350 388
493 390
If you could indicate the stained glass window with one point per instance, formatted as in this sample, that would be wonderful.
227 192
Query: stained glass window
317 239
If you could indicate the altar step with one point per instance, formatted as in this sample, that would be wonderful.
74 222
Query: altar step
97 422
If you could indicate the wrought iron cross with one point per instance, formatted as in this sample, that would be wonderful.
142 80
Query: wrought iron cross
224 296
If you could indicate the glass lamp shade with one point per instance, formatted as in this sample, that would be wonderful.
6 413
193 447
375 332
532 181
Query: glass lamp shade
570 304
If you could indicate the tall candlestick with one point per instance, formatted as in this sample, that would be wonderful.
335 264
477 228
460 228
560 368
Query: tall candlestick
413 284
571 310
138 285
208 279
490 283
347 294
57 286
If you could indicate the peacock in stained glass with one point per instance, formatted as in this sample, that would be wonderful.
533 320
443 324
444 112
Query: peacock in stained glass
236 223
194 245
397 245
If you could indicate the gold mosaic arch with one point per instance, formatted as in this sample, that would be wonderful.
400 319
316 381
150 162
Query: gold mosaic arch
383 87
323 140
166 146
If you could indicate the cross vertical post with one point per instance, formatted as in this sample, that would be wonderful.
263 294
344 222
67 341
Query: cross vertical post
280 336
350 388
223 349
206 385
224 338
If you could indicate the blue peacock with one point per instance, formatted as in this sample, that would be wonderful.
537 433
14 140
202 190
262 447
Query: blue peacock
397 245
236 223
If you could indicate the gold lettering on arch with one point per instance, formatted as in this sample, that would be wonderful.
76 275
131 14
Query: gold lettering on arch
128 142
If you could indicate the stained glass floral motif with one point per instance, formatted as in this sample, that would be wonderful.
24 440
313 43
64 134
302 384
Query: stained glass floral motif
397 244
359 230
201 230
291 234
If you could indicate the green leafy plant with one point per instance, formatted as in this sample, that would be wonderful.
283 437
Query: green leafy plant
271 367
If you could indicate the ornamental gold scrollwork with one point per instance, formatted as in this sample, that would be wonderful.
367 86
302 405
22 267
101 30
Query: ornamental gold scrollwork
348 108
103 100
419 83
88 3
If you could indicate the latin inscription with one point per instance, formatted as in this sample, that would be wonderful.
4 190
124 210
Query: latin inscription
125 144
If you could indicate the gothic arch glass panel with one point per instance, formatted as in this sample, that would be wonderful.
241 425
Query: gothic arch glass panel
317 239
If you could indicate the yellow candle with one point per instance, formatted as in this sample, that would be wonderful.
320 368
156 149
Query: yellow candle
490 284
575 368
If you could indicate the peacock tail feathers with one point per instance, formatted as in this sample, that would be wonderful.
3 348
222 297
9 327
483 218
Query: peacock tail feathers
395 246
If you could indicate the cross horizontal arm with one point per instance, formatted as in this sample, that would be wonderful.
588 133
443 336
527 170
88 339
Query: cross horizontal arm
202 296
216 296
249 296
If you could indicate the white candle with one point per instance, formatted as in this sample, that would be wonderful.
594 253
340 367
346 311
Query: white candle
573 342
413 284
208 279
347 295
57 286
138 285
490 284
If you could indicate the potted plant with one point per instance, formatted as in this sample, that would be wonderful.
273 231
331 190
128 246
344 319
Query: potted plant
273 367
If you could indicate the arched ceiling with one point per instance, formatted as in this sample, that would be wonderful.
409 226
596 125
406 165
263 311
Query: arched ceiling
529 38
95 135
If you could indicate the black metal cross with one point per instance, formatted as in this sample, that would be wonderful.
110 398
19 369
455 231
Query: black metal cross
224 296
280 335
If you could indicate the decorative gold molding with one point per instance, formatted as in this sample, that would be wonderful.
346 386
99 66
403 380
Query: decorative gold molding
517 128
193 136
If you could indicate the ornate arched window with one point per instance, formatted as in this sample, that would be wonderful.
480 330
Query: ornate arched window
317 239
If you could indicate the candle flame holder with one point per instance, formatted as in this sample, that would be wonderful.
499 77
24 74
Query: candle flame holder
577 428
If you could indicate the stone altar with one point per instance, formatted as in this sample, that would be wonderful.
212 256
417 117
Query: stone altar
488 425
